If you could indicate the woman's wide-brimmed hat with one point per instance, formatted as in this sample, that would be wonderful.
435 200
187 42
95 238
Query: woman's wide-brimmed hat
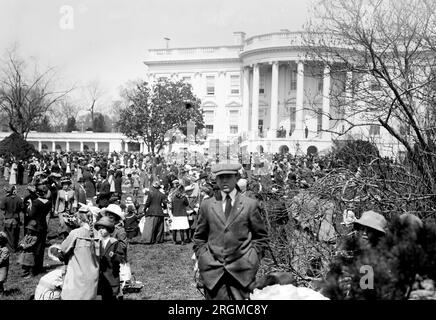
372 219
115 209
52 252
106 223
66 181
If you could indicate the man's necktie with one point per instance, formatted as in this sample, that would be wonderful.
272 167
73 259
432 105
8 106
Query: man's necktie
228 206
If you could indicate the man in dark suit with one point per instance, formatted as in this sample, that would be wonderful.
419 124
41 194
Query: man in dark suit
154 216
79 193
39 211
104 191
229 240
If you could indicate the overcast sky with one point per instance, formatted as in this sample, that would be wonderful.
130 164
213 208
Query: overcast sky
110 38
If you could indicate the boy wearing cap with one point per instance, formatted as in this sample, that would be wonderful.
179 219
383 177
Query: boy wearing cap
27 245
229 239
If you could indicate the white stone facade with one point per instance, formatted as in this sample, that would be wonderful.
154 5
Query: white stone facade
262 84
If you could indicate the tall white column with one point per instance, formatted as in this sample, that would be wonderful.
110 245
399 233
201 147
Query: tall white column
299 129
326 103
67 146
141 147
222 117
245 118
255 103
95 145
39 146
274 99
53 146
349 93
126 146
81 146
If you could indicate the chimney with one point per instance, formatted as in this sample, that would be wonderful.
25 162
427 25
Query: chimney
239 37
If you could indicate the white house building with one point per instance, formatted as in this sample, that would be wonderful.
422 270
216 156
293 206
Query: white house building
256 87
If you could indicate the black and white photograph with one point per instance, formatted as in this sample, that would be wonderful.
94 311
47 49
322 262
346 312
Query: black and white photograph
213 150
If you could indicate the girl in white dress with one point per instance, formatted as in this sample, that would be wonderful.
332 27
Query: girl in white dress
13 176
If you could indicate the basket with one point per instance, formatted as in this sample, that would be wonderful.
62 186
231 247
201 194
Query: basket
132 286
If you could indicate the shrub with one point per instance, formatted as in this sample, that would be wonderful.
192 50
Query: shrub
14 145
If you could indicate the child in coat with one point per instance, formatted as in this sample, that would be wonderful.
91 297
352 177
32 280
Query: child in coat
131 222
4 260
111 256
136 183
27 248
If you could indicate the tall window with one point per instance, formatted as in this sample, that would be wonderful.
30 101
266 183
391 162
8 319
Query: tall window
210 85
233 129
375 86
233 114
262 84
234 84
374 130
187 79
320 85
319 120
209 128
293 80
208 116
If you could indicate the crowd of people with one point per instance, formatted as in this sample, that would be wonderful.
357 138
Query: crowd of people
99 203
118 197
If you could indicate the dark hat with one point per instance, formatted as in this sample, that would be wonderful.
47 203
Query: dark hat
156 184
32 225
81 179
65 181
41 190
226 168
203 175
106 223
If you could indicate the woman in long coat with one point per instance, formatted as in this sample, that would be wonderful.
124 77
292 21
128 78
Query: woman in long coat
89 184
80 251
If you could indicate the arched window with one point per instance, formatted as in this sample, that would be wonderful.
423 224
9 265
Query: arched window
283 149
312 150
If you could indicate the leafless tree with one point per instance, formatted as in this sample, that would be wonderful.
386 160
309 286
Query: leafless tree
26 96
62 111
381 55
94 92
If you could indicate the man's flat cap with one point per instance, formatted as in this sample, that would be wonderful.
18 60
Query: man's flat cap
226 168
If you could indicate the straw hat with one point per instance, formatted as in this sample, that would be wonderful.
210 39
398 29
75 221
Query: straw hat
53 251
115 209
372 219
